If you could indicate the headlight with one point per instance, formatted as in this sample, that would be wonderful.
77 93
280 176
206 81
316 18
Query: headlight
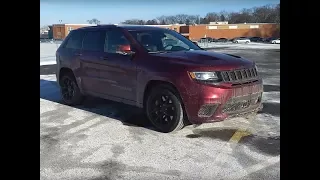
204 76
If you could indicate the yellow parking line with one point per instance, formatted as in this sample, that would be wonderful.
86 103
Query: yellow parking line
238 135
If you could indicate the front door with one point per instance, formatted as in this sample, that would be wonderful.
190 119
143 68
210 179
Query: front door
118 73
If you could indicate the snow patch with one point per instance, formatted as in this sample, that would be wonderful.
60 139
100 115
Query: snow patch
273 97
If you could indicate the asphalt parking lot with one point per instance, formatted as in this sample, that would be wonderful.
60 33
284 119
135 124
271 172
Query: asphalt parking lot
106 140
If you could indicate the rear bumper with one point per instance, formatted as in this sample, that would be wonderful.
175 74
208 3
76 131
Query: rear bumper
211 104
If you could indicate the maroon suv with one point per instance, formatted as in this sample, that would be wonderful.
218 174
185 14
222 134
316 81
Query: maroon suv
157 69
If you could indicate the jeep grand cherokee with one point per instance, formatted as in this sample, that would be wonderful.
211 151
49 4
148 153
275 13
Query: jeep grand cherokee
174 83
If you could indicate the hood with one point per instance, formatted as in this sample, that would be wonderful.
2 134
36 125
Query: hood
205 58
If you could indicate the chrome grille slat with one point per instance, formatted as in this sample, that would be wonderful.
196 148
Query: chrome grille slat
252 72
243 74
233 76
239 75
249 72
226 76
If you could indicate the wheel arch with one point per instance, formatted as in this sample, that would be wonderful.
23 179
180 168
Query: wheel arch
169 85
63 71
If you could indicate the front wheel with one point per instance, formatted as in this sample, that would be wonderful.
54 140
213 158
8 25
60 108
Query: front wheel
69 90
164 109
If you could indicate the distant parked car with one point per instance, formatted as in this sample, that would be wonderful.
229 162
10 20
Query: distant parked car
241 40
269 40
43 40
222 40
210 39
276 41
207 39
256 39
202 40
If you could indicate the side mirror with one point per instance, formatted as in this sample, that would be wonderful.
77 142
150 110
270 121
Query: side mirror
125 49
195 43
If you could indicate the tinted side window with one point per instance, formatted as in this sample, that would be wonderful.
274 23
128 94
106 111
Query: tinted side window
75 40
115 38
94 41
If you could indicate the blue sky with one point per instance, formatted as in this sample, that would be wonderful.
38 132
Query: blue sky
115 11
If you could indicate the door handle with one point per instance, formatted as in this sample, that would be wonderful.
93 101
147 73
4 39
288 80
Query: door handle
104 58
78 54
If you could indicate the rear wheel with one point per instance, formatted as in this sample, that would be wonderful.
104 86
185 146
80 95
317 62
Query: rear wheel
164 109
69 90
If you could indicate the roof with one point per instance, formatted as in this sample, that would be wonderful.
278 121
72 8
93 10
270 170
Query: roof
127 27
74 24
139 27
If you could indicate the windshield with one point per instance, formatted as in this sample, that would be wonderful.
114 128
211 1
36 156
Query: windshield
155 41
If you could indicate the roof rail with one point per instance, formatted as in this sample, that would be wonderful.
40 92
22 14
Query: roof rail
107 25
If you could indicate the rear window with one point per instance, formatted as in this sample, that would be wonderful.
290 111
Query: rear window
94 41
75 40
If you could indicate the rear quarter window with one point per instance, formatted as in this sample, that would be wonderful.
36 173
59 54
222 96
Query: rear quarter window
75 40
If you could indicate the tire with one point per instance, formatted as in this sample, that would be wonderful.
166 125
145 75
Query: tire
69 90
247 42
164 109
237 42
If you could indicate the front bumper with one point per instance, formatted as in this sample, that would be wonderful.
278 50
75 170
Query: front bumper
212 103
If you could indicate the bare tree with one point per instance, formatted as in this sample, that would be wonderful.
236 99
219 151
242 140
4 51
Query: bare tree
224 16
212 17
263 14
93 21
152 22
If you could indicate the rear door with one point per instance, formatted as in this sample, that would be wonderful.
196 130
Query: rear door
106 70
90 60
68 52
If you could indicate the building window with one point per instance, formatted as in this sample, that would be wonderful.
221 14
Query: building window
212 27
254 26
70 29
233 27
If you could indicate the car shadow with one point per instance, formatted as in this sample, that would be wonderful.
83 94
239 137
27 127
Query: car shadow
270 108
128 115
266 145
269 88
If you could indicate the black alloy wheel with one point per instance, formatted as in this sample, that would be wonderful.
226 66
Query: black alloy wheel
70 91
164 110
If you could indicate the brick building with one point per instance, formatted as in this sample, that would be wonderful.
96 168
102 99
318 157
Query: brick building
225 30
60 31
195 32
